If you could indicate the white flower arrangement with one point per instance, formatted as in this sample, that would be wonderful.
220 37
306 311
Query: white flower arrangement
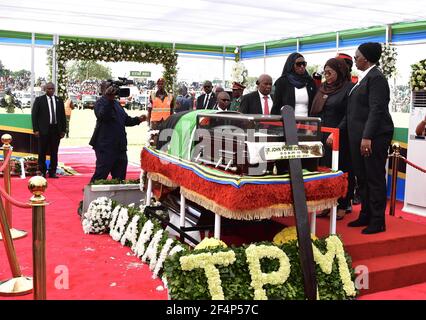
98 216
144 236
163 255
239 73
258 278
151 252
325 261
131 233
120 226
388 61
418 76
207 261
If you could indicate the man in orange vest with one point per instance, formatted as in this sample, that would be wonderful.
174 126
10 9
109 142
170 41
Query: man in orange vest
161 105
69 106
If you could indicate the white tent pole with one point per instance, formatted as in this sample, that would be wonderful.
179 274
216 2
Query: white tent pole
297 45
55 61
388 33
337 42
223 68
173 80
32 67
264 57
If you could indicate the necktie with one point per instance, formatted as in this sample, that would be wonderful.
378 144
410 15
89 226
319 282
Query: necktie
207 101
266 105
52 111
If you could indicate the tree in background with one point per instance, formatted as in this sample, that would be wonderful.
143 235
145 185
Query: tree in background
83 70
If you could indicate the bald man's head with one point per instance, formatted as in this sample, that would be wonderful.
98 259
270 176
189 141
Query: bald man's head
264 84
223 100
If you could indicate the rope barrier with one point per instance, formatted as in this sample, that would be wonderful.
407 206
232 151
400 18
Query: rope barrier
412 164
6 160
13 201
393 155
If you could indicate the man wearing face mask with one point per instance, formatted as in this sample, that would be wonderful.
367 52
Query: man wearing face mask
109 138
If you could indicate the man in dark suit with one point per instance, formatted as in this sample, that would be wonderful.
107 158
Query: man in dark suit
208 99
259 101
109 138
49 126
369 127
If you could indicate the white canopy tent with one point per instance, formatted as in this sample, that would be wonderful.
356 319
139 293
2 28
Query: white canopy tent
210 22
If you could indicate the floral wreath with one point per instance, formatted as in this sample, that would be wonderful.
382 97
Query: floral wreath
418 75
388 60
114 51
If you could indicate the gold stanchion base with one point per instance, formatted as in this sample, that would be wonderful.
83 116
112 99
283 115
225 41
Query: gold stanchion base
16 234
16 286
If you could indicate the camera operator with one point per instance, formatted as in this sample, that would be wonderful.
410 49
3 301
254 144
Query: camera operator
109 138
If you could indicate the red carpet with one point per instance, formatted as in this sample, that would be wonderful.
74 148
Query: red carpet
99 267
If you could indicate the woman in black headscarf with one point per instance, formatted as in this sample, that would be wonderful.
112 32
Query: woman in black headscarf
330 104
295 87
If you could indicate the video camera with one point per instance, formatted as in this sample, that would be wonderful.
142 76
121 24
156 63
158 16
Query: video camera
118 86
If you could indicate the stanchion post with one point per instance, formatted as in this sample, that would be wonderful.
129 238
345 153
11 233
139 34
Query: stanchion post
37 185
6 139
395 160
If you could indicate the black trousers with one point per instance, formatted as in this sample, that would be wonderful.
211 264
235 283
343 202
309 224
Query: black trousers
114 162
49 142
371 177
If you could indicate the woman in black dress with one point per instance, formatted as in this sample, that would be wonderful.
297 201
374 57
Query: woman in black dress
330 105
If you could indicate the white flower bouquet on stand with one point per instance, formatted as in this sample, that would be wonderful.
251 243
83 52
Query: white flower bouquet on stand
388 61
239 73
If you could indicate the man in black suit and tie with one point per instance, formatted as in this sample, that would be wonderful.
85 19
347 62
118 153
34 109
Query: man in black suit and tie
260 101
369 127
49 126
208 99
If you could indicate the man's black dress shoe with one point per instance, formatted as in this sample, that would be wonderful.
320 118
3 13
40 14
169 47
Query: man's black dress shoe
324 213
358 223
54 176
373 229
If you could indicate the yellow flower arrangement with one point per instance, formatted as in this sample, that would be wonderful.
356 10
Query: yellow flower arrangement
325 261
258 278
207 261
210 243
288 234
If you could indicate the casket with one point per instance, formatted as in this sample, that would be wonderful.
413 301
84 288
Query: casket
254 144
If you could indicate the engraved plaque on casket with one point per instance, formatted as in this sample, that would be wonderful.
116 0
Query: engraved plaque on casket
254 144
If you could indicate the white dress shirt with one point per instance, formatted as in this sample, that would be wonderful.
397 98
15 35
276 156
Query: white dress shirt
206 100
50 110
262 101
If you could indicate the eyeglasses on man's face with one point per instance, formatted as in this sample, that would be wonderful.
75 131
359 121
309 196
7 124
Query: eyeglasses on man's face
301 63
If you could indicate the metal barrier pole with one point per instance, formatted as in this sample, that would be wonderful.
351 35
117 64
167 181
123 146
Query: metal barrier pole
18 285
37 185
395 160
6 139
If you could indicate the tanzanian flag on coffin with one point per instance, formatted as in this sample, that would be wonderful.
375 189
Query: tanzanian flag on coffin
19 126
400 135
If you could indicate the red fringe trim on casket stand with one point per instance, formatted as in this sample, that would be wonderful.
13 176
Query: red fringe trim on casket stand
251 201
